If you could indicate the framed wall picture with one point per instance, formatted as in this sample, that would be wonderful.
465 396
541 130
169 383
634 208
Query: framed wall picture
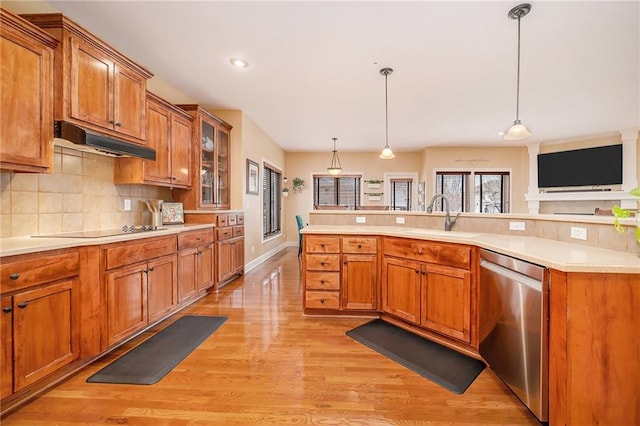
253 172
172 213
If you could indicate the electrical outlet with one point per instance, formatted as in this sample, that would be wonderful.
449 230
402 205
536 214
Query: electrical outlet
400 220
578 233
361 219
127 204
516 226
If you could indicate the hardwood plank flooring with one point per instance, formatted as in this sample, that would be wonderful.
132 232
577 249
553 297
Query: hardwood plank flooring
269 364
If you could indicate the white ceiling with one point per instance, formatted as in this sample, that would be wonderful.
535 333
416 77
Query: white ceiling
314 66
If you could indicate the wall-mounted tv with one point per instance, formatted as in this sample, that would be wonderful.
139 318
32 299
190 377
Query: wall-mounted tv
581 167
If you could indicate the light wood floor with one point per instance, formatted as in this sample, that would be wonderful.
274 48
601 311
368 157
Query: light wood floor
268 364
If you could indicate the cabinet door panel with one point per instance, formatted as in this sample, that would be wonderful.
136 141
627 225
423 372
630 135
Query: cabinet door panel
126 302
38 350
91 85
129 102
161 284
224 260
26 111
181 151
401 289
237 256
204 260
446 301
6 350
187 267
158 133
359 281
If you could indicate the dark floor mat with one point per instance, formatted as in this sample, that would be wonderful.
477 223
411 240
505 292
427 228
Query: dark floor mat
150 361
446 367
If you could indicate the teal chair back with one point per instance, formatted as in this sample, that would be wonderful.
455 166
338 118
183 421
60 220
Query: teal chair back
300 226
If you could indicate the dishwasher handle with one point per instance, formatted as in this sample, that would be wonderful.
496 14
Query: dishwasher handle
512 275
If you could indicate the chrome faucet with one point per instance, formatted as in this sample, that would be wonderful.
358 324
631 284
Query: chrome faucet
448 222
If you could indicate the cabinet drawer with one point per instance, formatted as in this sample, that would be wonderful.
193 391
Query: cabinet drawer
194 238
232 219
359 245
29 270
240 218
238 231
323 262
319 244
455 255
322 299
222 220
224 233
121 254
322 280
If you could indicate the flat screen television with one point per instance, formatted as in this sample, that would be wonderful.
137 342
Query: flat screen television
581 167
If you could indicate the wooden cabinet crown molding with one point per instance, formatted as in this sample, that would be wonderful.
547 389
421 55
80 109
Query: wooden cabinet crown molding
11 20
195 109
58 20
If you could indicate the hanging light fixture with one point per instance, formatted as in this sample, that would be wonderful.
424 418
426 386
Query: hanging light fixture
518 131
386 153
335 167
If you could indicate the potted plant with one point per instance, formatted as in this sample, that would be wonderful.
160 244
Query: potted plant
285 192
298 184
619 213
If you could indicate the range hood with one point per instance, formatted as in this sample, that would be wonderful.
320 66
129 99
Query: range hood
71 136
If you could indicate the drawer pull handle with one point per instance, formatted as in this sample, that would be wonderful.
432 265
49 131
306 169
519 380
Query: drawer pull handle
359 246
22 305
344 263
322 245
321 300
197 238
321 281
322 263
7 309
14 276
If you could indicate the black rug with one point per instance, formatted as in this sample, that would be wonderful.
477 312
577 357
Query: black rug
150 361
446 367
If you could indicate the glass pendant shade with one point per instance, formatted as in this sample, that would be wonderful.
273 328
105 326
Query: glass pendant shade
335 167
517 132
387 154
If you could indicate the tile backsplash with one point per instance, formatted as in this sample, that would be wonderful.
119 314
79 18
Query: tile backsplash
79 195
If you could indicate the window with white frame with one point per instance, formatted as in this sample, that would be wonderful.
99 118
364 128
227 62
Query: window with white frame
474 191
271 201
336 192
400 194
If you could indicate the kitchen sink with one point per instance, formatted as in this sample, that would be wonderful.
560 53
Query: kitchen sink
100 233
440 233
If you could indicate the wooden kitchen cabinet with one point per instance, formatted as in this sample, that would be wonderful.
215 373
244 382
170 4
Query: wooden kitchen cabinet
169 133
96 87
211 185
26 105
140 280
321 266
40 293
195 263
429 284
359 286
229 236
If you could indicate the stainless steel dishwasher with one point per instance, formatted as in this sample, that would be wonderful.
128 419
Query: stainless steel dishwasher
513 326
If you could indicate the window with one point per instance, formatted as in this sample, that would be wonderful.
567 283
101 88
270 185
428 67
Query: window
271 201
489 193
336 192
400 194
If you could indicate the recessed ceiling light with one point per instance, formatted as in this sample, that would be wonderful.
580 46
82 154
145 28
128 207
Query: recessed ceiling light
239 63
500 133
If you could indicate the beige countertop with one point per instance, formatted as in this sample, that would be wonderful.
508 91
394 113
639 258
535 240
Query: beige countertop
23 245
558 255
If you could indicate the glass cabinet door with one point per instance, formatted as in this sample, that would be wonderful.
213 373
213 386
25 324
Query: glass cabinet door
222 182
207 165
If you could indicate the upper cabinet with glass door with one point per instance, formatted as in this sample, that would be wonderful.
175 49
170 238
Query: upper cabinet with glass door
210 185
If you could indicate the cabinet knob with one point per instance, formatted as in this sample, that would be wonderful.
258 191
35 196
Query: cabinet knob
321 300
359 246
322 263
118 124
22 305
345 262
150 269
322 245
417 271
424 272
14 276
321 281
7 309
110 121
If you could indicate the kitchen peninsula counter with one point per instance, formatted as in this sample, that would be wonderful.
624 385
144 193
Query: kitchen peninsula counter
559 255
24 245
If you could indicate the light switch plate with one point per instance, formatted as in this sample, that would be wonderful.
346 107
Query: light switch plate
127 204
361 219
400 220
516 226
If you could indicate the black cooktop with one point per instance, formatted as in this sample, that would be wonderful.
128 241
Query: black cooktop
99 233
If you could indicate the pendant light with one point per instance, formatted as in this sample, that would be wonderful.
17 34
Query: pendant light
386 153
335 167
518 131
